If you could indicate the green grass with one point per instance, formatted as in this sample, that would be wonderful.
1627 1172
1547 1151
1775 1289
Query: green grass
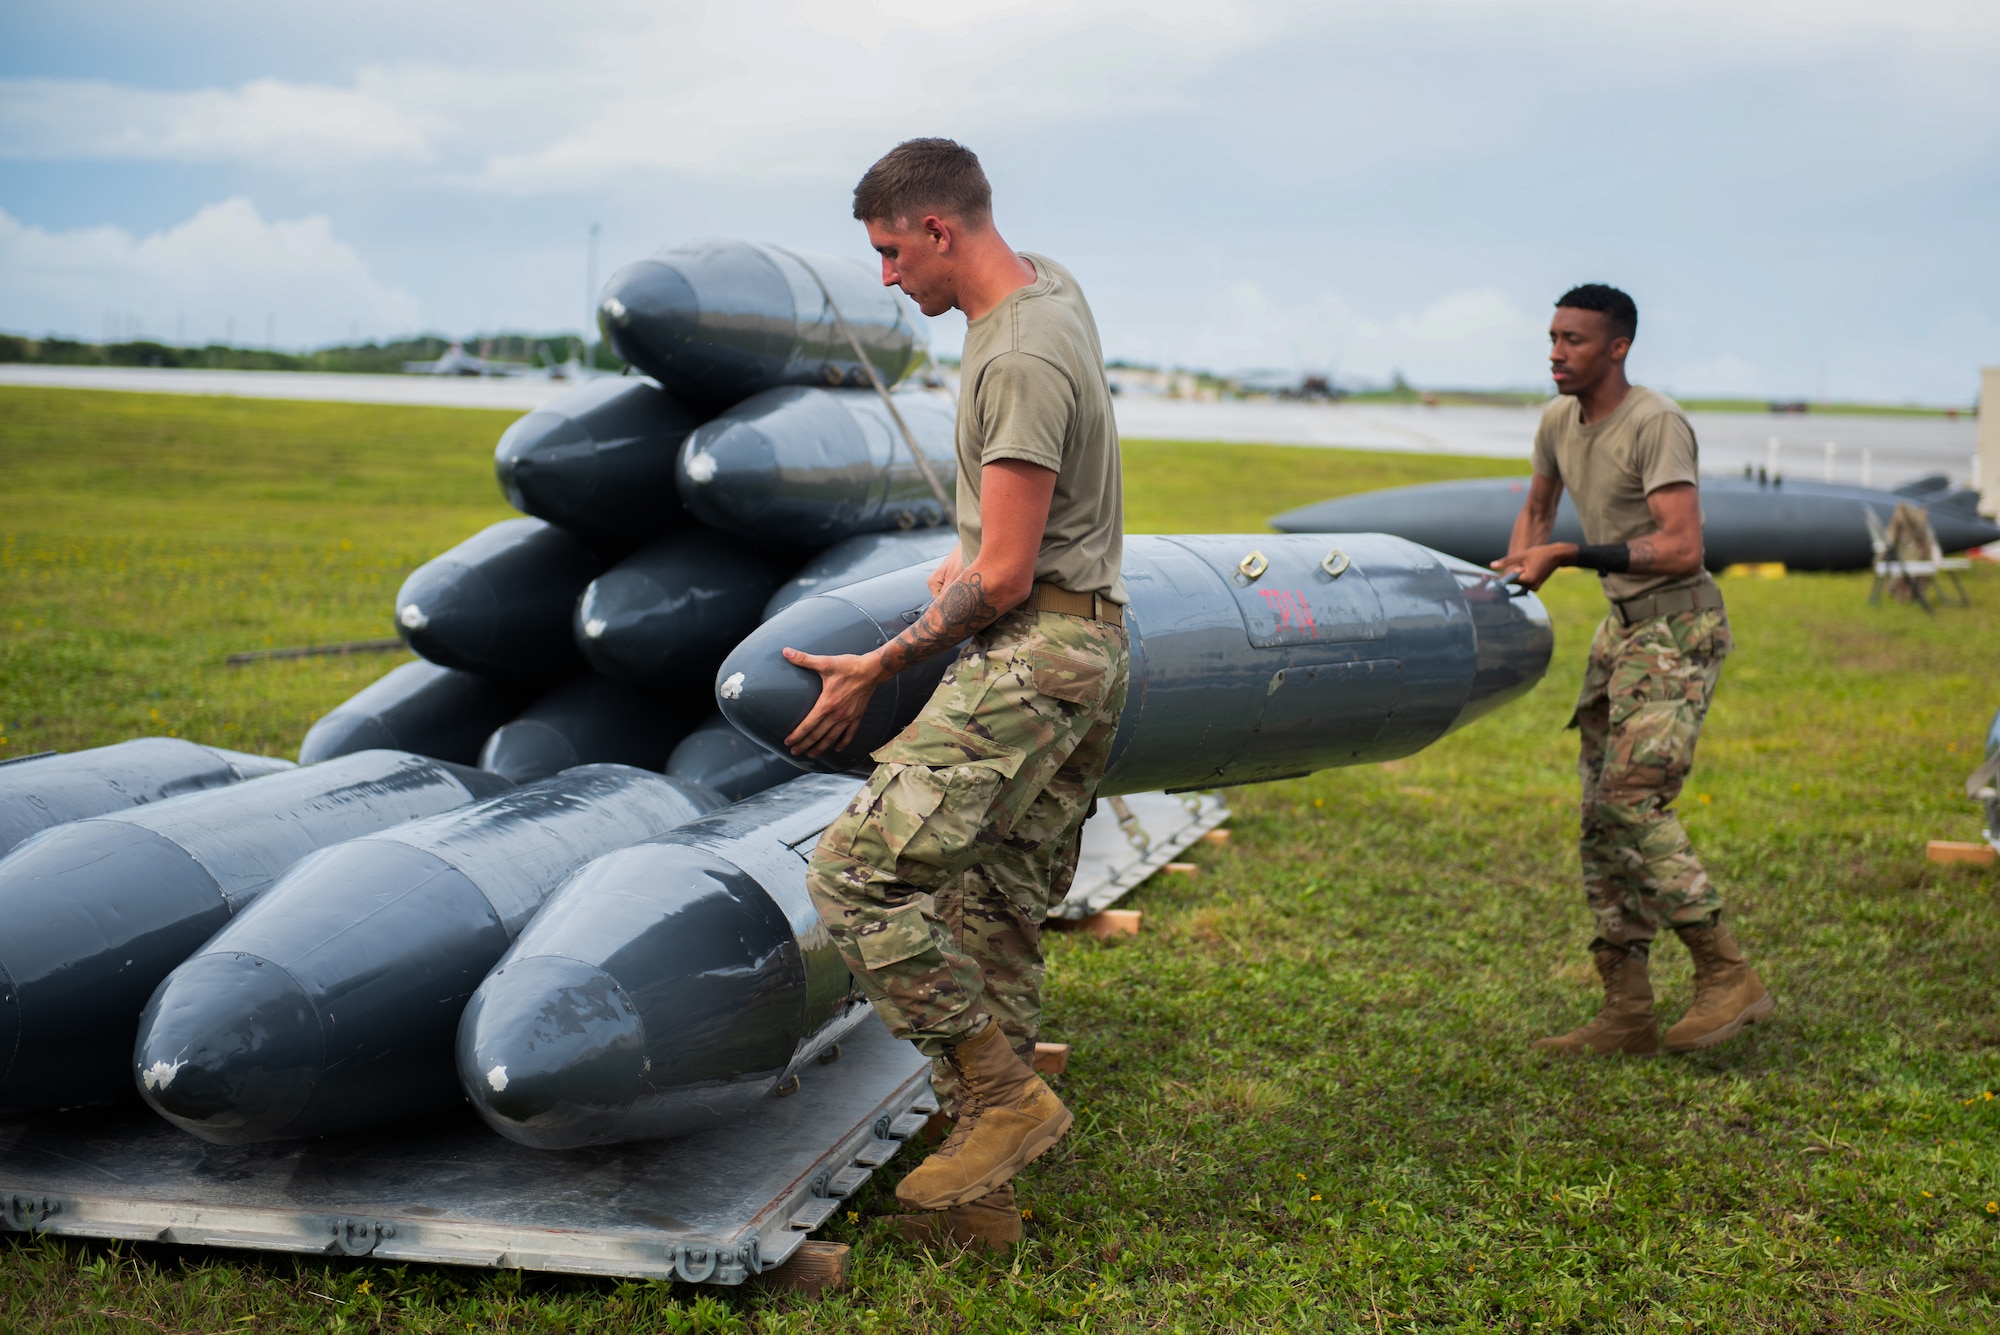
1304 1097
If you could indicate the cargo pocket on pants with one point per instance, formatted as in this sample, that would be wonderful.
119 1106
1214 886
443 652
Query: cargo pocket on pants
1657 735
898 935
1075 681
929 815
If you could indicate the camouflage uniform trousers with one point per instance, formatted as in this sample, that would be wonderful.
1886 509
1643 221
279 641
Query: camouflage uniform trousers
936 879
1645 695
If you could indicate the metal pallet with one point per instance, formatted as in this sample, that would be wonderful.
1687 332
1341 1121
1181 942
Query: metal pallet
714 1208
1132 837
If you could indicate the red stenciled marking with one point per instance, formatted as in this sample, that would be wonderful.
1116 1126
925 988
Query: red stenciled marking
1293 610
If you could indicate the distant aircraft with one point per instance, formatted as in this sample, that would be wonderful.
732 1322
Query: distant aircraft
571 368
457 361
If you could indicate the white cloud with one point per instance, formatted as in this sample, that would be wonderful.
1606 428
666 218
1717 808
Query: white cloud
266 121
785 87
226 267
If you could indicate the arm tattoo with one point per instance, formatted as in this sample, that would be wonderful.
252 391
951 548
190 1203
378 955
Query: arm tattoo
1644 551
961 610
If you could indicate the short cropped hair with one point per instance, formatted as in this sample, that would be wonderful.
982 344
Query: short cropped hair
1620 309
920 176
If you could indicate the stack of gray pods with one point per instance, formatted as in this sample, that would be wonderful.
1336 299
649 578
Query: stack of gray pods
573 653
750 463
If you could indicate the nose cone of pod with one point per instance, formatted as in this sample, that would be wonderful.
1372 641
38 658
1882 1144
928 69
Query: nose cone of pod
667 614
650 316
599 461
243 1081
661 989
1513 639
549 1045
327 1004
728 471
817 465
526 750
717 756
766 697
434 711
588 720
498 602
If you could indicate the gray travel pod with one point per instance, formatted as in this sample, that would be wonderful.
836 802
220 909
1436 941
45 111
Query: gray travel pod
1254 657
717 321
666 987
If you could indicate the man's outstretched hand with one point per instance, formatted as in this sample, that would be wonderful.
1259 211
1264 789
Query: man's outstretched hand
1531 568
847 683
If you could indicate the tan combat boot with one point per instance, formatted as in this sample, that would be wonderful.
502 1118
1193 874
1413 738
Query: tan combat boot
1626 1023
1728 994
993 1221
1008 1118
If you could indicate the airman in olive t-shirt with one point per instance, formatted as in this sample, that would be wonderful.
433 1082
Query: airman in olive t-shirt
936 879
1627 456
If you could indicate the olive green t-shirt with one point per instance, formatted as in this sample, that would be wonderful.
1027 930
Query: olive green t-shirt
1032 387
1610 466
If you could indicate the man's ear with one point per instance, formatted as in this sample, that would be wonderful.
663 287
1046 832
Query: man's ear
940 233
1619 347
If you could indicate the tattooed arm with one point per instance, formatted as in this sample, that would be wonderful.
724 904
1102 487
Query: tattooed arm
1676 547
1014 510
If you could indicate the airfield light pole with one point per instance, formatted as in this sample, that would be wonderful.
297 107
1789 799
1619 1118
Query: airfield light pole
590 301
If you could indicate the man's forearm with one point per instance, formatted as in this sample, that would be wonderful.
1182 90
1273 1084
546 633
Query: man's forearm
1654 554
1658 554
962 610
1531 529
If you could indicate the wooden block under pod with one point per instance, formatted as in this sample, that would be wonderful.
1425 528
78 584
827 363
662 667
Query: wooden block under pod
816 1267
1951 850
1104 923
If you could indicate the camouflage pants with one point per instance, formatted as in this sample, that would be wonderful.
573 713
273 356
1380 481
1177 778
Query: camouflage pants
1645 694
935 880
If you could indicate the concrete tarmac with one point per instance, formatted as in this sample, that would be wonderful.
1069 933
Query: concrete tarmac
1898 447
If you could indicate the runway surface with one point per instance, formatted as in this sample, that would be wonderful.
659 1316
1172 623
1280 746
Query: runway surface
1897 447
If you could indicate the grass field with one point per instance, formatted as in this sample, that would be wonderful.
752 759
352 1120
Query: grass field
1304 1097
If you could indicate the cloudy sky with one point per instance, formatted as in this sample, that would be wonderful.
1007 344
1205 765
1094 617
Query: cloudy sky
1803 195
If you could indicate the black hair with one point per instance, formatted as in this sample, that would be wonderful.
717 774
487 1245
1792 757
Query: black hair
1616 306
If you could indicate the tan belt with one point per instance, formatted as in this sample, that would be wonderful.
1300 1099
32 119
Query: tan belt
1703 597
1049 598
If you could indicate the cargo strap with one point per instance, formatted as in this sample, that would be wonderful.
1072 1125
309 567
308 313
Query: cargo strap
875 379
1703 597
1049 598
